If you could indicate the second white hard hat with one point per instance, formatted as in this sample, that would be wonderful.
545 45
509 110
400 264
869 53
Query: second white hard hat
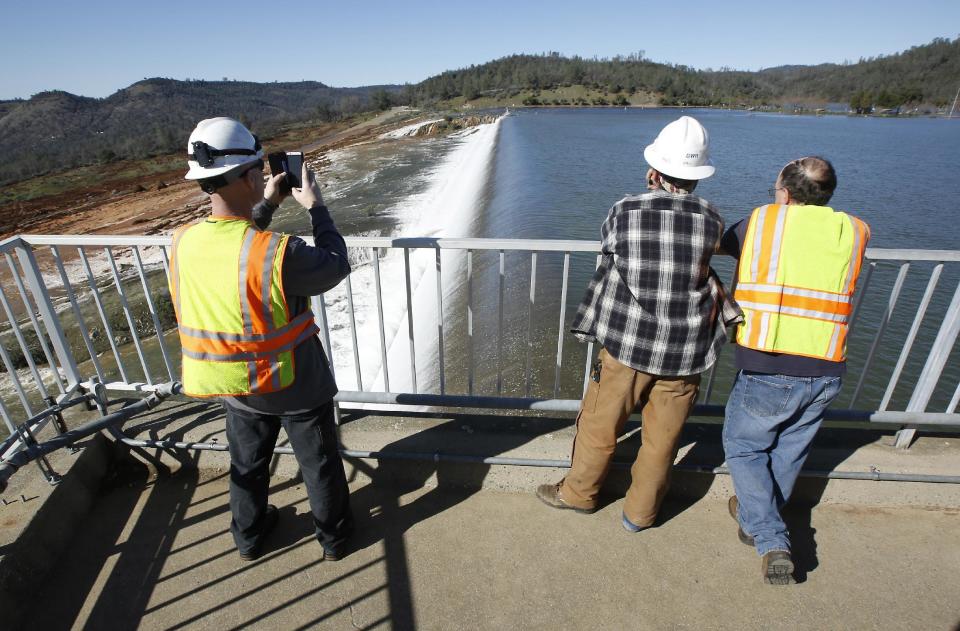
219 145
681 150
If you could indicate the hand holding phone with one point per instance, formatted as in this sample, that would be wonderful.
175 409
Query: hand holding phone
309 196
291 163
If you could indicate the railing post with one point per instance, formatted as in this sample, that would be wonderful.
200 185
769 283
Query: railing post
936 360
47 313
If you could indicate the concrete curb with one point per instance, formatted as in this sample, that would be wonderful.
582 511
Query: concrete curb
847 450
35 533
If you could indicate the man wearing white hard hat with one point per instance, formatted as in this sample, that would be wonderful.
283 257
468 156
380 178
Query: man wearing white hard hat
659 313
248 336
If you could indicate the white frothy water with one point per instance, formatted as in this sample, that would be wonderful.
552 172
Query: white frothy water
445 209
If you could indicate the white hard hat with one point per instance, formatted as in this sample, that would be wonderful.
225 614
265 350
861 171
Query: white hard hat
681 150
219 145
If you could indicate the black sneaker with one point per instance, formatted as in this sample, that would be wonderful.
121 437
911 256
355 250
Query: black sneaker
270 518
732 505
777 568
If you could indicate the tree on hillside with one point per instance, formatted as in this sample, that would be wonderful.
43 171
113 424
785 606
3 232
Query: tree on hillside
381 100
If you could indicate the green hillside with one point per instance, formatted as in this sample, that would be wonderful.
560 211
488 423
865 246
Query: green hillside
53 131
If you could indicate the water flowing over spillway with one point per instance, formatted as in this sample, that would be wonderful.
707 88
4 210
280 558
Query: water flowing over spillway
446 208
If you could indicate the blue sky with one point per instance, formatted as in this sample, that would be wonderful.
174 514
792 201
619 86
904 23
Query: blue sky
95 48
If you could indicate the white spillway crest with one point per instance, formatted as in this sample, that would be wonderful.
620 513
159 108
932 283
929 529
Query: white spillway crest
445 209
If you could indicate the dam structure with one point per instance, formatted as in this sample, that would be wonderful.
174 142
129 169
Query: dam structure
459 386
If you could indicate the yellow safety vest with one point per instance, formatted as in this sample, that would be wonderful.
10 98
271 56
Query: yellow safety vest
236 334
795 281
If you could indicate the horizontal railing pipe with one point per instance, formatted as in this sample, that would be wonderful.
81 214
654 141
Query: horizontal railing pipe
573 405
540 245
438 457
10 465
492 355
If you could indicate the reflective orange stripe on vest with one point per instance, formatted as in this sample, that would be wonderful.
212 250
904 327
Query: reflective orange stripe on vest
217 346
807 303
861 235
256 267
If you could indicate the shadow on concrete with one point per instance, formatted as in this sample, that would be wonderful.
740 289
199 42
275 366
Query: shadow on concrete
831 447
382 515
137 557
111 576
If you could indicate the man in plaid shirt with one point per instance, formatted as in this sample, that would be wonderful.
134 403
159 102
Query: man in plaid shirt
659 312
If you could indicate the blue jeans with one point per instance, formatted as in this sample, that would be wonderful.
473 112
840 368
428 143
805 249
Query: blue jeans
770 423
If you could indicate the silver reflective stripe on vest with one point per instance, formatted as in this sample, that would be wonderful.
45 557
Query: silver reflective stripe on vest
794 311
764 329
848 283
175 271
251 356
243 337
757 242
266 291
244 299
777 244
274 372
834 340
794 291
252 377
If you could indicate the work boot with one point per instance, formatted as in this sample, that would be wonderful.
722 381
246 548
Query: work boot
777 568
270 518
342 550
733 504
549 494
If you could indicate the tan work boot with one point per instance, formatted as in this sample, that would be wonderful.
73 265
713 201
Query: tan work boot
549 494
777 568
733 504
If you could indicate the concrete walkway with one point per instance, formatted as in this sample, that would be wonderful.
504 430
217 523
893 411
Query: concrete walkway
157 555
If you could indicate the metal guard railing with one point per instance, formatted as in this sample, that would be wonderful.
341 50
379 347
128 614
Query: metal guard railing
68 284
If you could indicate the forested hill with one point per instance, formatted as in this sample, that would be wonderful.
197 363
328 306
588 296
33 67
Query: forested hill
57 130
927 74
52 131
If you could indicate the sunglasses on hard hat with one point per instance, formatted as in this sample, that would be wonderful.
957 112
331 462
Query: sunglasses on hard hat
204 154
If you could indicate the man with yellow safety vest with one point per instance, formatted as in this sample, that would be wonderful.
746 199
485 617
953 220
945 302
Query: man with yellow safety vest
797 271
248 335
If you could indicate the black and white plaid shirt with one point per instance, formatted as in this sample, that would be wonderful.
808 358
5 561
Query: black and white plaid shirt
654 303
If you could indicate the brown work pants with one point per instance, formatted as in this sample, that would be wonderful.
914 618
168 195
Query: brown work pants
665 404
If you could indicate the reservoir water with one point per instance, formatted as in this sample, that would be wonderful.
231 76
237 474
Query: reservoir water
554 173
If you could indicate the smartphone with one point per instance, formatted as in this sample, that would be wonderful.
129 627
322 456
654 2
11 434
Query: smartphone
291 163
294 168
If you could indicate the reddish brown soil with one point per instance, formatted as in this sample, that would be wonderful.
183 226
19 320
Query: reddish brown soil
160 202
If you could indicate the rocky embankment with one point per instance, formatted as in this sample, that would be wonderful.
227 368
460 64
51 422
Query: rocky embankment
451 124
